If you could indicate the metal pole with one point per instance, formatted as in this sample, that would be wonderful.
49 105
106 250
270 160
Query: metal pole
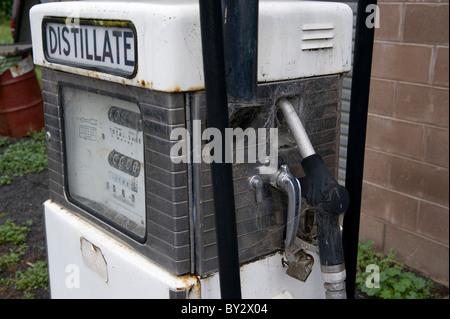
222 175
240 31
359 101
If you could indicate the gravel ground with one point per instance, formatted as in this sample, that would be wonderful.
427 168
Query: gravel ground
22 201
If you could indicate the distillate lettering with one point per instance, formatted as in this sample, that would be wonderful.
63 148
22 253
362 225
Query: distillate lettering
109 47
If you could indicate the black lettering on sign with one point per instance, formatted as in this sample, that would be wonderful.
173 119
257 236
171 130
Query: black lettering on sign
117 35
66 50
107 53
127 46
96 57
105 46
59 41
75 31
52 41
88 55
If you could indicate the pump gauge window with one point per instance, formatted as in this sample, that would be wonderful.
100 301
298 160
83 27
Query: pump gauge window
104 156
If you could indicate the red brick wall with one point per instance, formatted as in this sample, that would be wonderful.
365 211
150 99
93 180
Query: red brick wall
405 203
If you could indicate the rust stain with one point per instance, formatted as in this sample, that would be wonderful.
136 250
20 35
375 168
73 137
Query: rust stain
110 77
196 88
90 73
186 282
189 286
189 89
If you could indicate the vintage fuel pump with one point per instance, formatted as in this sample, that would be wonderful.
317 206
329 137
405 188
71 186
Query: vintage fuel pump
131 208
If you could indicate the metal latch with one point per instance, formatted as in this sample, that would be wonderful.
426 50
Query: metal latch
283 180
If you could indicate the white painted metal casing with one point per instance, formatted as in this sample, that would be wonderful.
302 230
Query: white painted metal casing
297 39
85 262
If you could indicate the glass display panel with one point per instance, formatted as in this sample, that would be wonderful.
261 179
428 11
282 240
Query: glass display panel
104 156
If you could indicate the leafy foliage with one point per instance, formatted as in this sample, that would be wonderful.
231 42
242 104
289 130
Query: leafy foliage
33 277
24 157
9 260
5 9
3 141
10 232
394 281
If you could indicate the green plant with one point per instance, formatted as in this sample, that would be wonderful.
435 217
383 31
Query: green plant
11 259
24 157
3 141
5 9
395 282
10 232
38 71
38 136
4 180
5 29
34 277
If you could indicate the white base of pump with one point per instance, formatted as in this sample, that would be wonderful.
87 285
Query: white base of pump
85 262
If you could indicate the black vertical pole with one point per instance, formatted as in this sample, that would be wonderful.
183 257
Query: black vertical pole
222 175
359 101
240 31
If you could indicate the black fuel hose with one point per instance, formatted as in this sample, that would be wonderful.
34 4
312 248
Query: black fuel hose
330 200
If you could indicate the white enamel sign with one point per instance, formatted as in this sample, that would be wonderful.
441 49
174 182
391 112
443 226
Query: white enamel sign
107 46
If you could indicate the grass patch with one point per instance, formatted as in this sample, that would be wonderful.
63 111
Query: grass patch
34 277
3 141
15 273
5 31
26 156
12 258
10 232
38 71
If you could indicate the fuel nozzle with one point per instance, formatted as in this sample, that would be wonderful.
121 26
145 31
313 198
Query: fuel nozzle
320 188
329 199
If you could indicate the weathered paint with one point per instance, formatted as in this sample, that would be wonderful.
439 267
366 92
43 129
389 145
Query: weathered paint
129 274
177 65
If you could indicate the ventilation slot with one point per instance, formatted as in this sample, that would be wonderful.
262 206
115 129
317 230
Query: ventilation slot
317 36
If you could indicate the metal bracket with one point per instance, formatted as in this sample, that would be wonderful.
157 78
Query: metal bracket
288 183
